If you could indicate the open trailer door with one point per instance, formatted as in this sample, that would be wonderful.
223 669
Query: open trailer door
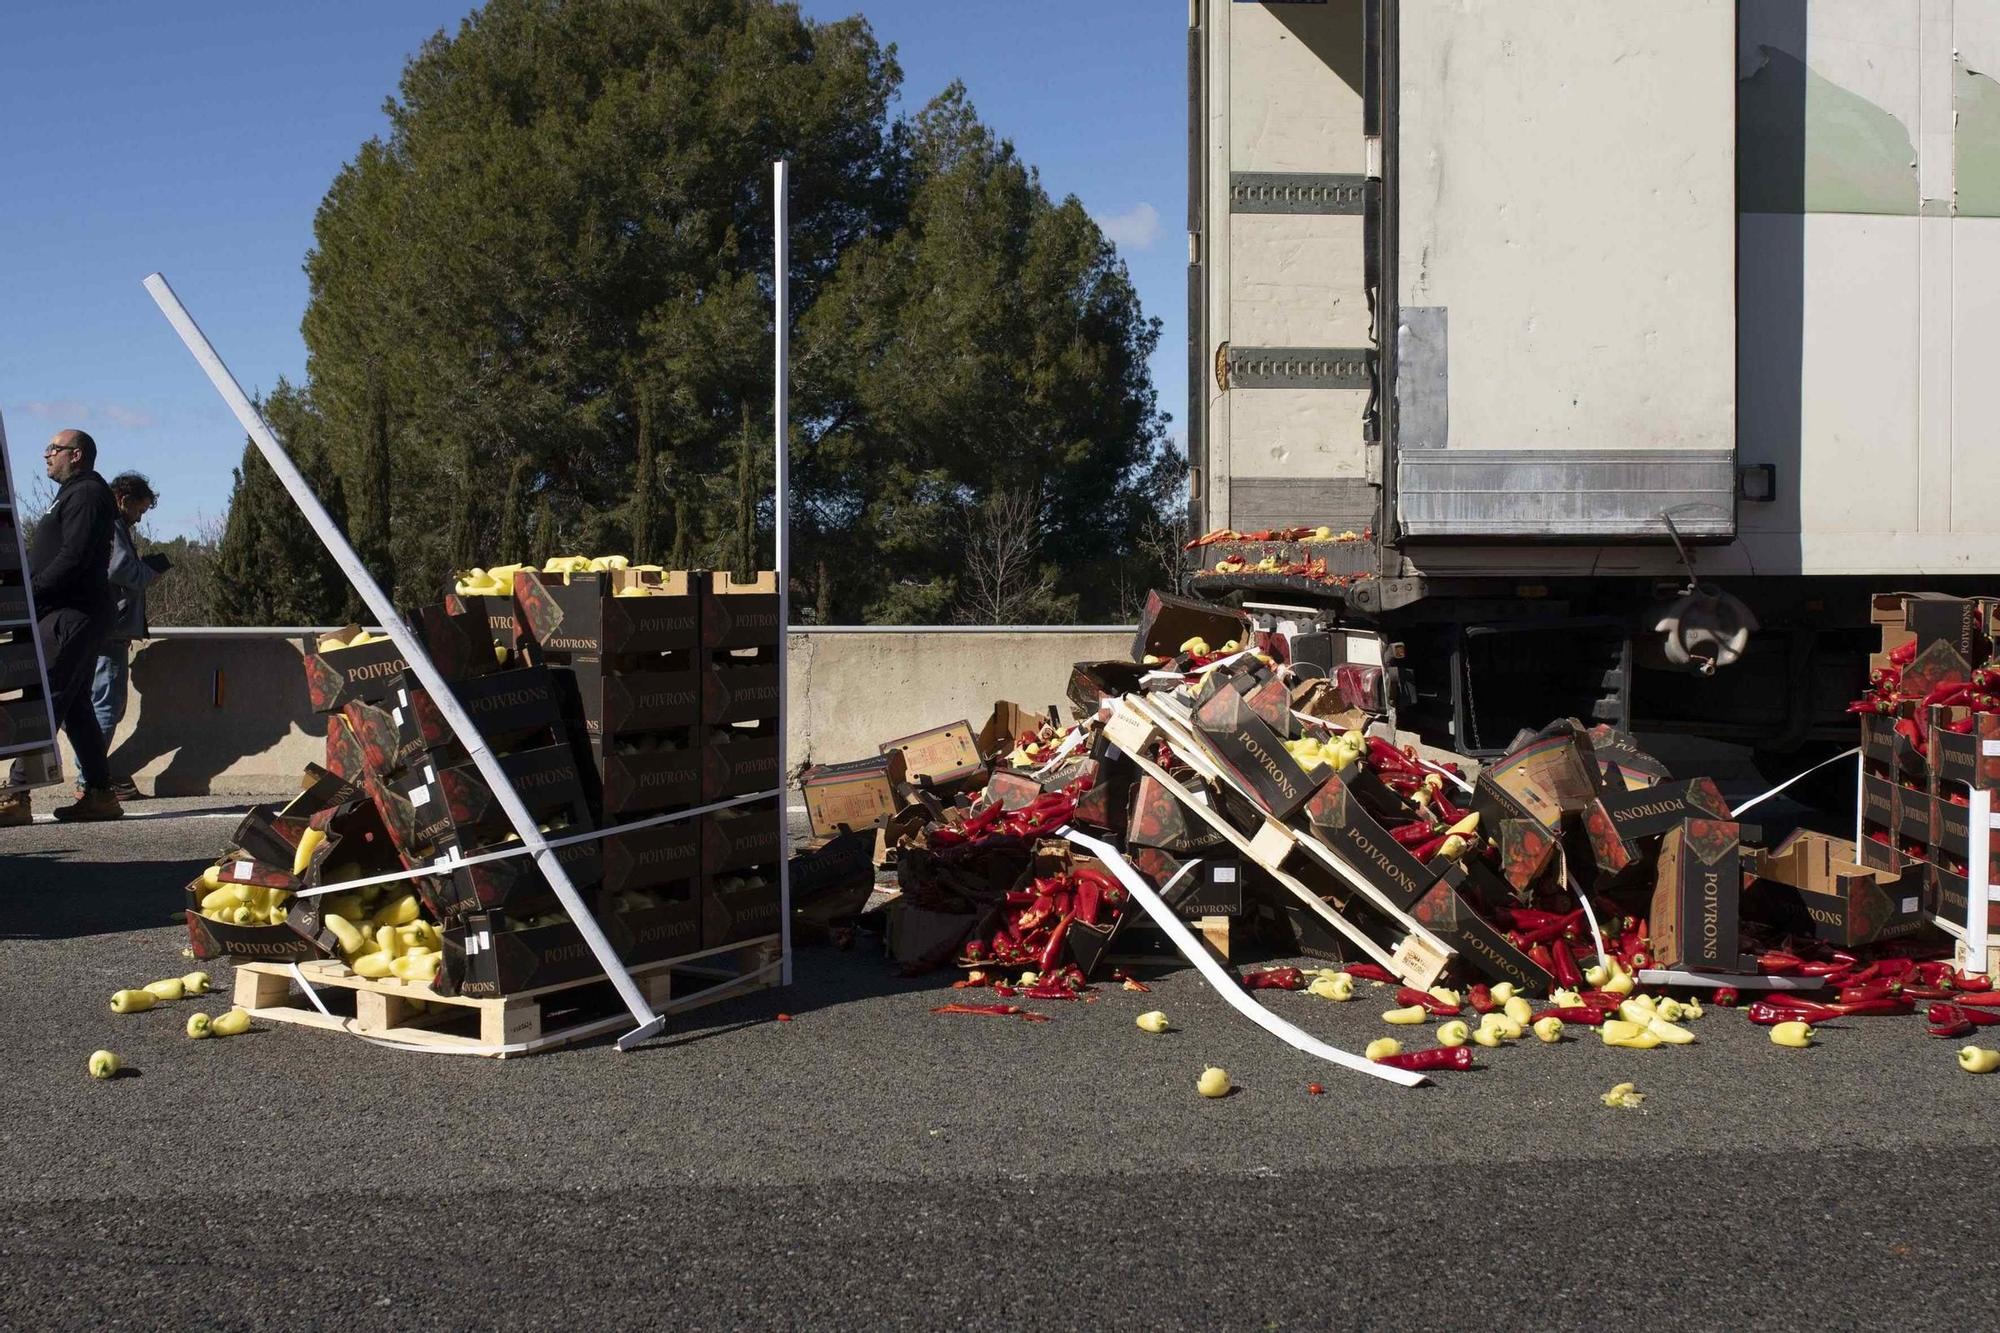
1563 179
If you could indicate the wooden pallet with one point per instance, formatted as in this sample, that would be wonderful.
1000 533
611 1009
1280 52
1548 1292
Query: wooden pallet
551 1016
1418 959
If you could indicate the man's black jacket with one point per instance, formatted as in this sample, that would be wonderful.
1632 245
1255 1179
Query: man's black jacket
71 550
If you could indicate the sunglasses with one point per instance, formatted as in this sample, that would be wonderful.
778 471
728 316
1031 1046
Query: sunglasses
55 449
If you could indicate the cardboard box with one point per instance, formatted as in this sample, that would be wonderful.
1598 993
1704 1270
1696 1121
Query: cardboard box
432 802
1696 898
739 905
1878 801
1005 726
1347 816
941 758
661 854
661 772
1158 819
1229 724
1621 818
1553 774
739 614
1882 856
1878 739
856 795
734 690
737 762
605 614
1446 911
498 615
508 708
740 837
1948 894
1813 886
344 758
1620 761
499 959
515 885
1090 683
1169 621
840 866
457 645
1962 758
659 696
215 939
1527 851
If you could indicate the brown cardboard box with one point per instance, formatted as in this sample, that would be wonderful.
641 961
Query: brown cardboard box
1698 885
1006 725
1552 775
1815 887
855 795
941 758
1620 761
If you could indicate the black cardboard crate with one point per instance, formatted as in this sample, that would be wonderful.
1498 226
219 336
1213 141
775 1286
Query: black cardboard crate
734 690
1346 815
507 707
635 695
566 615
1960 758
737 761
432 802
458 647
13 597
1696 905
501 960
648 774
739 614
497 613
739 905
1447 911
660 854
741 836
1230 726
515 884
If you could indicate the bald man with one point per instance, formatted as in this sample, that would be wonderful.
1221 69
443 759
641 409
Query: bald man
68 562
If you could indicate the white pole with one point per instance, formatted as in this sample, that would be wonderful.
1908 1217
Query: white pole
413 652
781 514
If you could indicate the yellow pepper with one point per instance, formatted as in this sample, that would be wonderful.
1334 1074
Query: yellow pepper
1504 1024
133 1001
1793 1034
1619 1032
1454 1033
1625 1096
1382 1048
1549 1029
232 1024
302 856
1336 986
1978 1059
1408 1016
1518 1009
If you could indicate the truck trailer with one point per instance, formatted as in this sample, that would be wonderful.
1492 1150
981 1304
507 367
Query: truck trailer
1607 354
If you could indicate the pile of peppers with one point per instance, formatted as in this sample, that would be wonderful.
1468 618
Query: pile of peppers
1035 921
1886 697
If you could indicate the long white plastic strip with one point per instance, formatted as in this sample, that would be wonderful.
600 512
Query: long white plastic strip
1668 976
453 862
1759 800
1226 985
596 1027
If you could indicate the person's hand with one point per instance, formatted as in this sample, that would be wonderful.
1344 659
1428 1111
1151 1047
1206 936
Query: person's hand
156 562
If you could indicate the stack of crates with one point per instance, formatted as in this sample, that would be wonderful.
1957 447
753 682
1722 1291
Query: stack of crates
1929 773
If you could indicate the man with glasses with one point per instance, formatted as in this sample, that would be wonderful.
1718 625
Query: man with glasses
130 573
69 561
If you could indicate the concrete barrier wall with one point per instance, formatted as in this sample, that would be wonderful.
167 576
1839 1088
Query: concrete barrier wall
228 716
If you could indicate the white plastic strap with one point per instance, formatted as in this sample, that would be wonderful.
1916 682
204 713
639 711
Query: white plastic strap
1226 985
1759 800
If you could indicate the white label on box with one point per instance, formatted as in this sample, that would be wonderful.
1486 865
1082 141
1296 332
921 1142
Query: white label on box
396 716
420 796
245 870
1225 874
1909 905
430 774
482 942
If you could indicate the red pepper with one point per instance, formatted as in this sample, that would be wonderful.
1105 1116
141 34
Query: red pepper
1566 972
1982 999
1583 1015
1903 654
1978 1018
1370 972
1874 990
1414 833
1275 978
1480 997
997 1010
1818 969
1429 847
1385 758
1048 990
1934 972
1765 1014
1887 1006
1053 949
1539 955
1598 999
1407 995
1779 964
1436 1058
1727 996
1972 981
1930 992
1954 1028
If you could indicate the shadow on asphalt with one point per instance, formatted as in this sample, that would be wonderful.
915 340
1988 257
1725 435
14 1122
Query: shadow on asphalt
44 896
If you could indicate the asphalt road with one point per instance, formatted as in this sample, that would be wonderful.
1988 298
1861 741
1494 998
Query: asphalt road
870 1164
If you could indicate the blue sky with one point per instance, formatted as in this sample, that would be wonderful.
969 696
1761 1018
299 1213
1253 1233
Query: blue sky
197 139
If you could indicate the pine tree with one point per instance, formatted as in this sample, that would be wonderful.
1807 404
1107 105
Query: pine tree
545 532
270 566
645 483
745 556
513 544
468 534
375 479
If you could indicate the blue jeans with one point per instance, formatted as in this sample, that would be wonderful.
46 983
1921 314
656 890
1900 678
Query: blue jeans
107 687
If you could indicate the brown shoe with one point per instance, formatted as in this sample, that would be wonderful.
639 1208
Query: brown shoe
15 811
96 803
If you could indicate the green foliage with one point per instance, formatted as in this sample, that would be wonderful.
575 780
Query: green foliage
270 567
559 254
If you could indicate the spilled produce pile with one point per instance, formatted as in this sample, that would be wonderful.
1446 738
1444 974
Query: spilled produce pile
1571 889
